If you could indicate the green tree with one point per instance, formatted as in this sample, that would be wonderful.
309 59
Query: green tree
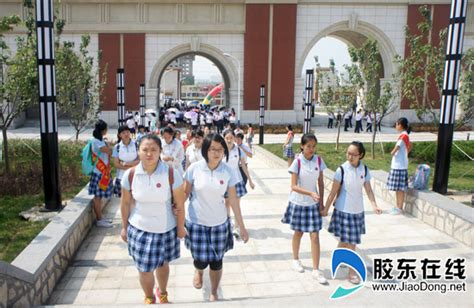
78 84
423 68
364 75
18 80
335 94
466 87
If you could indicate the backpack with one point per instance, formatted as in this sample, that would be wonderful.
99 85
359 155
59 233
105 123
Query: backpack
420 179
244 176
88 163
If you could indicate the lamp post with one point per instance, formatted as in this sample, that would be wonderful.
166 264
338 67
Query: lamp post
47 103
449 95
121 96
238 84
142 104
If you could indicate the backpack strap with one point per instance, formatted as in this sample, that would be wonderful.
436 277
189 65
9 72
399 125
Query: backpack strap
365 174
342 178
319 162
299 165
171 182
130 177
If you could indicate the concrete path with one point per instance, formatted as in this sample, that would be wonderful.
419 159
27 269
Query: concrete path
259 273
324 135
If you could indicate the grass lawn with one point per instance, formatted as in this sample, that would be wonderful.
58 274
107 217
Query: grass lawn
15 232
461 172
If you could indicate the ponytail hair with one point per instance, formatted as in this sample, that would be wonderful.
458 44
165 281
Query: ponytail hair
403 122
99 127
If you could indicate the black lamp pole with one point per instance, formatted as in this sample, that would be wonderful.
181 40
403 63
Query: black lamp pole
262 114
307 101
142 104
121 96
452 67
47 103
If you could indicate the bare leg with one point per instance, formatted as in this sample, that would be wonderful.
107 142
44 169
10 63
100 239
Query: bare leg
215 277
98 208
197 281
315 249
296 244
400 198
162 275
147 282
351 247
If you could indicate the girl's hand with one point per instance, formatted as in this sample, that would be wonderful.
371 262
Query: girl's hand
244 235
377 210
175 210
252 185
324 212
181 232
315 196
123 235
321 207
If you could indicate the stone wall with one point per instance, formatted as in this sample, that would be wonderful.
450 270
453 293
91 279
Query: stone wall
30 279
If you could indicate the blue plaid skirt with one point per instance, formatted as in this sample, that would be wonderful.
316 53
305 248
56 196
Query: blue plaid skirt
347 227
240 189
94 187
288 152
118 188
151 250
303 218
208 244
397 180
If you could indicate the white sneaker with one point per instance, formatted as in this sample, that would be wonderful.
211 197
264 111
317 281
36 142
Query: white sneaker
297 266
103 224
319 276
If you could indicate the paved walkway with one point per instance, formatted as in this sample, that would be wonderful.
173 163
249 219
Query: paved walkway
259 273
324 135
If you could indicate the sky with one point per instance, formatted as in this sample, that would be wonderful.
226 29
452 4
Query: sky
325 49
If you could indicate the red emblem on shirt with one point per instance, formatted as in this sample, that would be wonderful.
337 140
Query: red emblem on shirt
316 168
158 185
361 176
222 182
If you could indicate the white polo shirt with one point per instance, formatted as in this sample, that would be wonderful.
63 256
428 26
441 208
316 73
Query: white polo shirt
309 173
193 154
234 159
400 159
207 203
126 153
174 149
351 199
152 195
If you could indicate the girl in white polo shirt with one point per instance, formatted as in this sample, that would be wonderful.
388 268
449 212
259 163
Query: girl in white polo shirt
209 232
193 151
151 229
398 177
125 156
306 202
347 220
173 151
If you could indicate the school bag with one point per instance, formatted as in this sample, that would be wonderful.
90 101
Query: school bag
420 179
244 176
299 164
88 163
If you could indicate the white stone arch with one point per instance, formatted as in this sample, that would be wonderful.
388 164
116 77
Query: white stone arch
227 68
386 47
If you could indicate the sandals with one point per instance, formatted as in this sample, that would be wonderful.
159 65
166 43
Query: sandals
162 297
149 300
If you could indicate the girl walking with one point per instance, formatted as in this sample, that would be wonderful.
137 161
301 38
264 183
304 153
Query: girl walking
209 231
125 156
348 220
100 184
288 145
173 152
398 177
151 229
306 202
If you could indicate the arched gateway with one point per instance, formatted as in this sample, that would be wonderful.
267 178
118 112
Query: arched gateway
269 38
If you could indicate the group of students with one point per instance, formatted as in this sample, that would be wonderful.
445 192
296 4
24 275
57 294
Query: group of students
154 188
359 116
